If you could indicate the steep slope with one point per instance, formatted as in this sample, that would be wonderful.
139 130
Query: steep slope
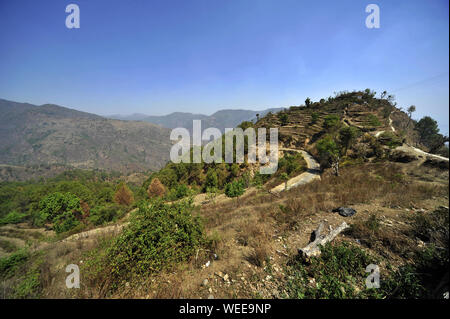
301 126
51 134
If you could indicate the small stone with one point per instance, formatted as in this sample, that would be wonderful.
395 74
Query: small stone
225 278
210 297
205 282
127 284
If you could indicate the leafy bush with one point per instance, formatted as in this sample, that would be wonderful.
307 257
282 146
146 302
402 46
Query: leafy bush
158 236
419 280
60 209
212 180
314 117
64 222
234 189
291 164
12 218
29 286
11 263
372 120
283 117
56 204
331 122
390 139
103 214
347 136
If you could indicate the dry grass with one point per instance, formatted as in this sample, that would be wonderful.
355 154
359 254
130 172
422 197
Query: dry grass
246 236
381 238
361 184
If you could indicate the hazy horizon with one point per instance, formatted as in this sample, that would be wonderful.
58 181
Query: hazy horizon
146 57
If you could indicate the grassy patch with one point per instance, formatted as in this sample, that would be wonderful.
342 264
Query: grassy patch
9 264
338 273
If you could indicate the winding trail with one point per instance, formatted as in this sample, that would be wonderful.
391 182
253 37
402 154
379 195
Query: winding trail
311 174
407 147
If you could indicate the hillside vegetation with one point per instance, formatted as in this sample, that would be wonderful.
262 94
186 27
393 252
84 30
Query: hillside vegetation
49 135
218 231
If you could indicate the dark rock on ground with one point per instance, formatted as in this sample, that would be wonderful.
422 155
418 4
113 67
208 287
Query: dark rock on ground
345 211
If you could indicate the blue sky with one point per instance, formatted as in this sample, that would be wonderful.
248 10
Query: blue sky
156 57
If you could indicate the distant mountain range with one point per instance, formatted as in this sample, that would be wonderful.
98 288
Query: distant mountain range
221 119
49 134
52 134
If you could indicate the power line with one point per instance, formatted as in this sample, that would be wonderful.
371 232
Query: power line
420 82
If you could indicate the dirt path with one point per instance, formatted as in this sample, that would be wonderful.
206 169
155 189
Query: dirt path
407 147
311 174
113 229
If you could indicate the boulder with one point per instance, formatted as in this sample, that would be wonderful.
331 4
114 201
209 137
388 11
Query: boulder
345 211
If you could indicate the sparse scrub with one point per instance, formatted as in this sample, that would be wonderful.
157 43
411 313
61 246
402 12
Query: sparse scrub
372 234
338 273
361 184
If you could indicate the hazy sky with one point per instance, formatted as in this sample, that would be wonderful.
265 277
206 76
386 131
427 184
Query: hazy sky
156 57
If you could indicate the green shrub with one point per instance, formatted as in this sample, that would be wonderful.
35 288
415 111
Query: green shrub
291 164
56 205
331 122
372 120
283 117
158 236
337 272
390 139
314 117
234 189
104 214
420 279
11 263
29 286
64 222
12 218
211 179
